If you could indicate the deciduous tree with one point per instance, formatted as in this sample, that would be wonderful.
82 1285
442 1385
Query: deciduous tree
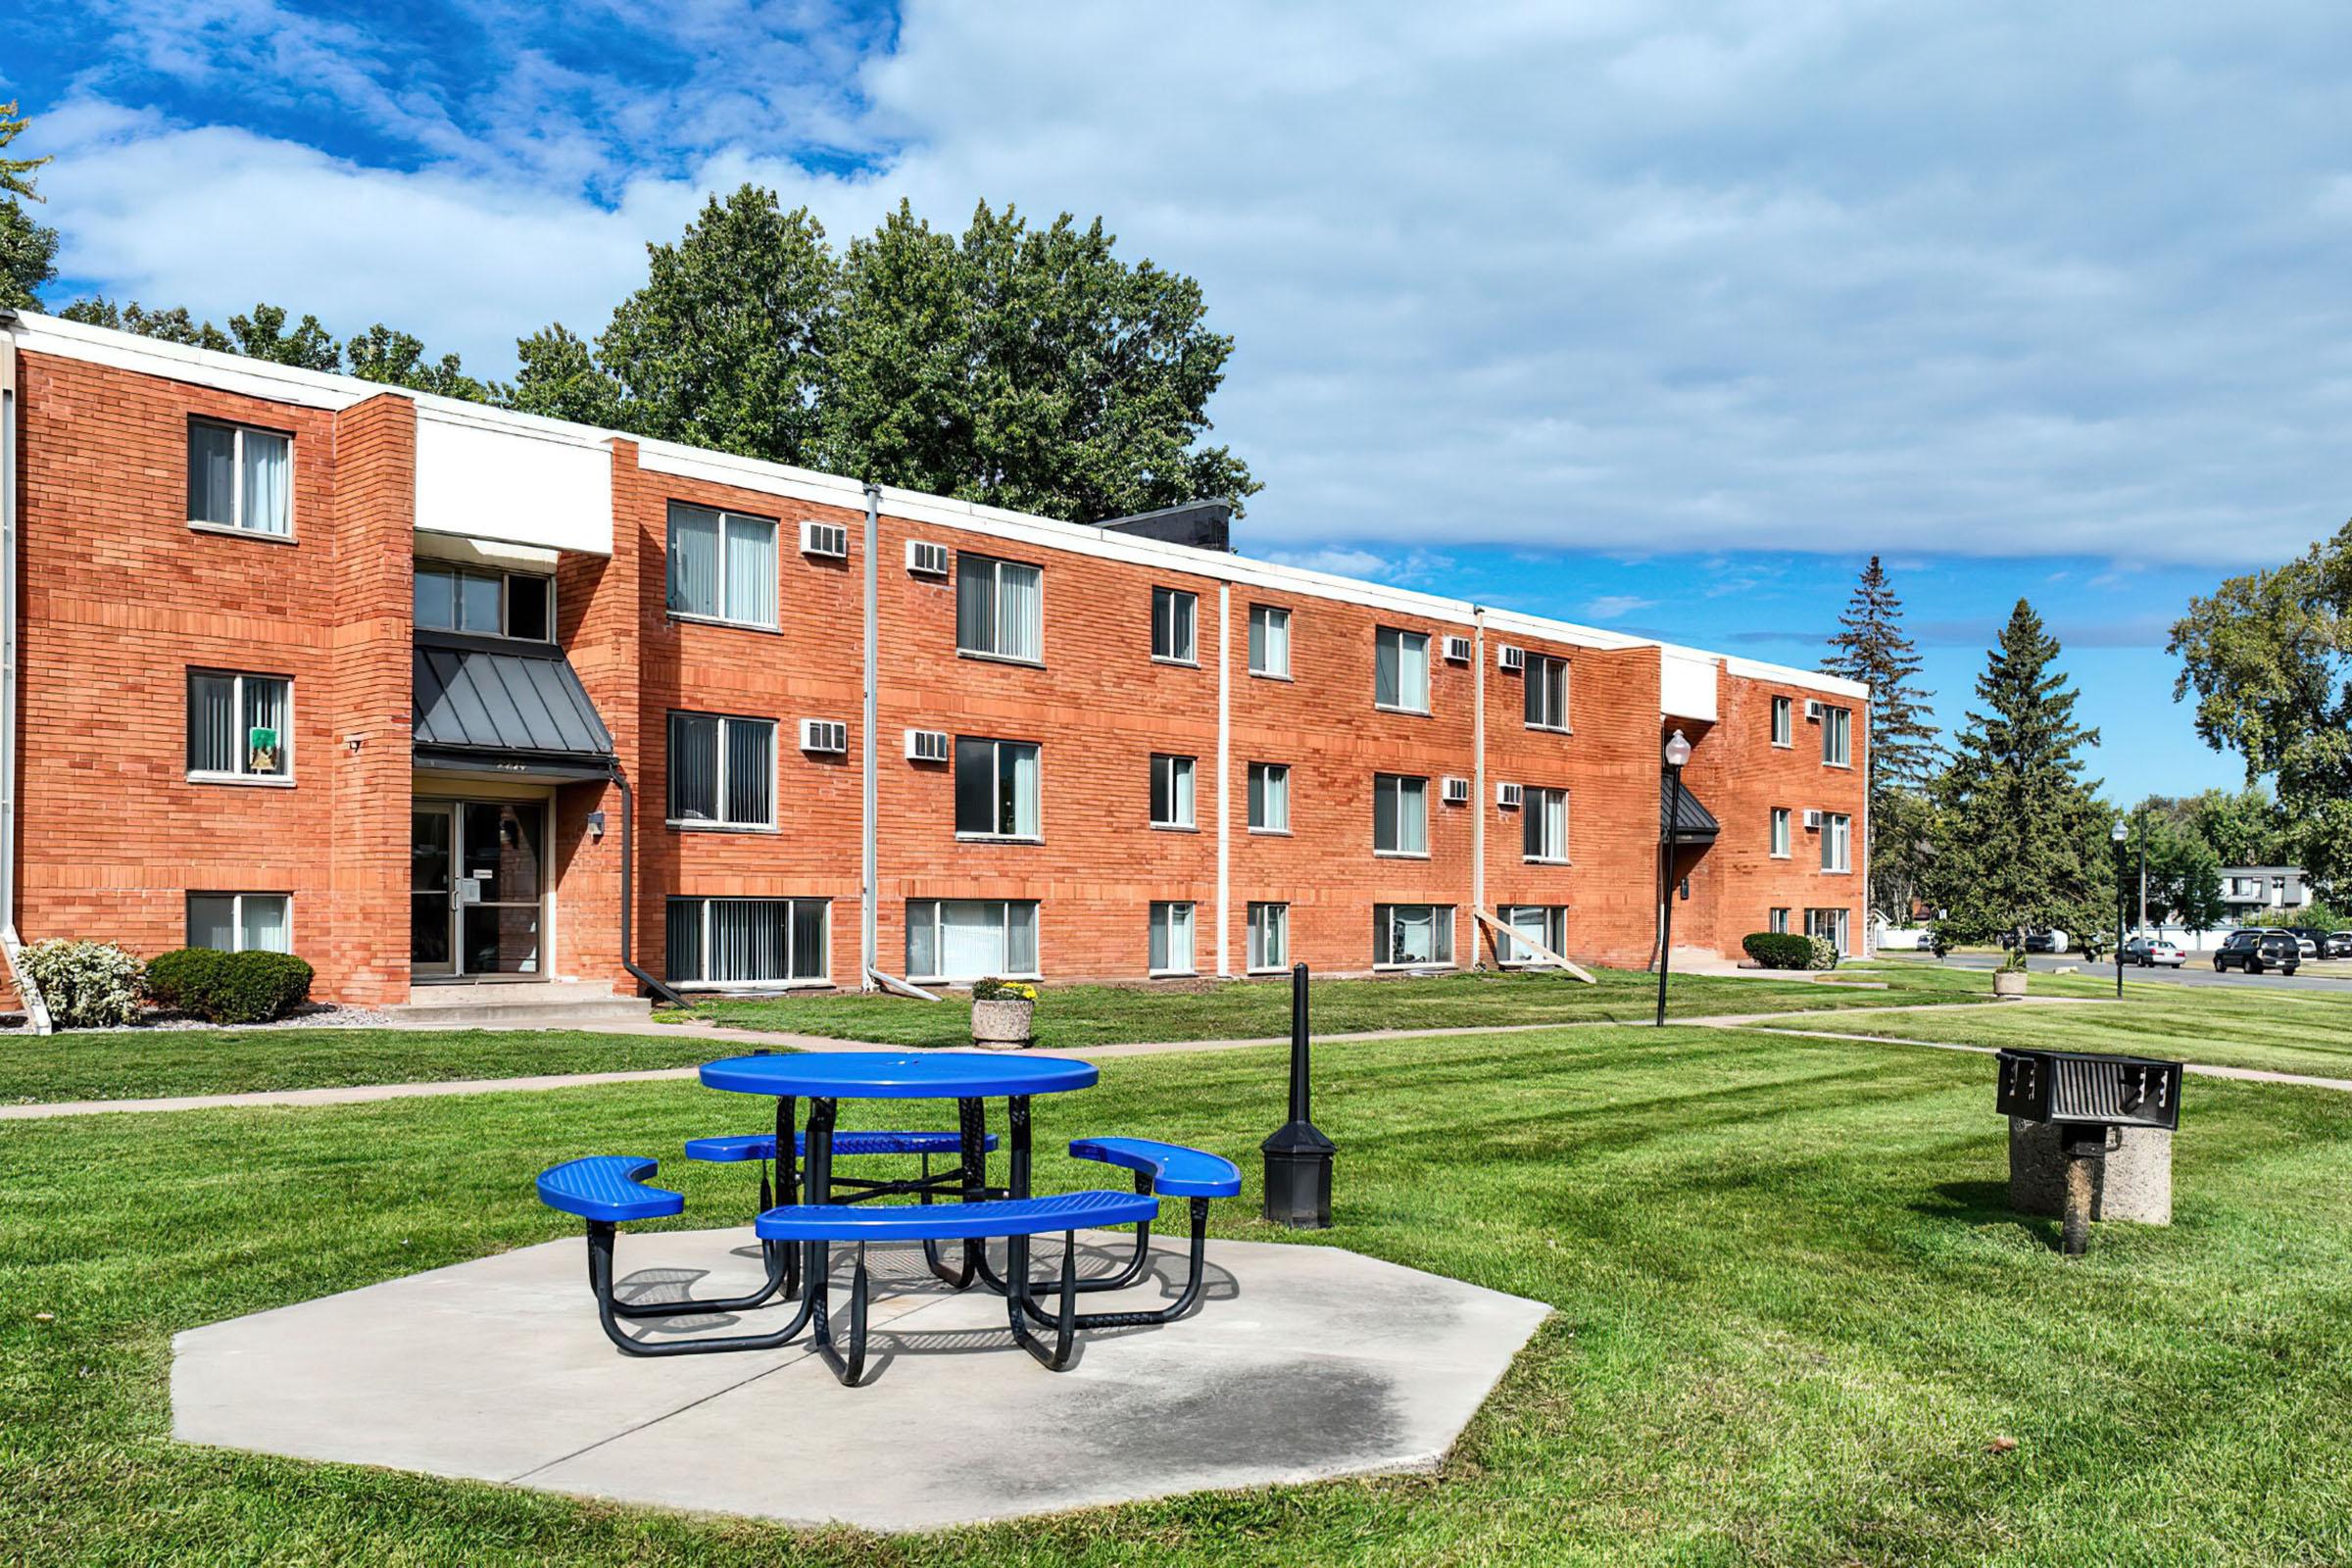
28 250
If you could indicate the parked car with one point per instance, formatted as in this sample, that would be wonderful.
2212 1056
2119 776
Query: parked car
2257 951
2149 952
2046 942
2307 943
2337 945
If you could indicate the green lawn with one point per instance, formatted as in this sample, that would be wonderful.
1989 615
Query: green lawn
1079 1016
137 1064
1795 1320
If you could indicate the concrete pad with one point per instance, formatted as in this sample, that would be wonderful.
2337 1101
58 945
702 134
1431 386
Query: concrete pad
1303 1363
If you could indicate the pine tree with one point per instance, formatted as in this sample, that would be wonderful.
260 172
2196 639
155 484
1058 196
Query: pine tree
1870 647
2020 838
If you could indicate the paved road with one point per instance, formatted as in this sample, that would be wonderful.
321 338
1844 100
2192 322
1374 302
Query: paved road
2198 971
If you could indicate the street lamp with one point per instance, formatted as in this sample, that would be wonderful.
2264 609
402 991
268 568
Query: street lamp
1677 753
2119 833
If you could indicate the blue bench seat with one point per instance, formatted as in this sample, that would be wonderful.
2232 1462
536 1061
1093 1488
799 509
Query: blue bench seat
762 1146
1175 1170
947 1222
608 1189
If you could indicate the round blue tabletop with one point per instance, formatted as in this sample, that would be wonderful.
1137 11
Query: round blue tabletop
898 1075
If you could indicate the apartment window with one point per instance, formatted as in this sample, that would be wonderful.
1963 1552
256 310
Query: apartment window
1399 815
241 922
1837 737
1270 641
723 772
1401 669
1829 924
1837 842
1780 921
1269 797
1532 926
1171 792
1416 935
1175 615
723 566
1545 831
1548 693
718 942
1000 609
488 604
1269 937
1171 940
1783 722
240 477
970 939
240 726
1780 832
997 792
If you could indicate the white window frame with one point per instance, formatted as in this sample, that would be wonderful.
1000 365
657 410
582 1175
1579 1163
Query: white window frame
1186 799
1381 913
1402 636
1267 923
726 597
1005 907
236 482
1164 911
792 923
1839 932
1269 775
1189 652
1262 636
1784 723
1776 920
1400 781
1837 844
719 824
1534 801
1779 833
241 773
236 917
1506 942
1545 672
1837 737
506 599
995 565
996 746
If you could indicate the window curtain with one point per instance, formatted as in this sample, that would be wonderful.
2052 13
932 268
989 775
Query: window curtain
1158 957
975 604
1020 609
1180 771
693 560
751 772
1017 770
212 724
1020 938
269 461
265 927
749 939
1278 797
1551 807
1180 937
212 922
971 941
1529 921
1412 815
1385 834
1278 643
1181 609
922 939
1386 672
265 709
750 572
811 949
213 475
1414 672
684 940
693 768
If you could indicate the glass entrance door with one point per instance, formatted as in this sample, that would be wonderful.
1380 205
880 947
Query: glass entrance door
431 893
476 882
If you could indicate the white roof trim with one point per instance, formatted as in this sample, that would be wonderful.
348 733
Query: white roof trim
319 389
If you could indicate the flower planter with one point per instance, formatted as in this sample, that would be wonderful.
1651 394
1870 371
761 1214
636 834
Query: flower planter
2008 985
1002 1025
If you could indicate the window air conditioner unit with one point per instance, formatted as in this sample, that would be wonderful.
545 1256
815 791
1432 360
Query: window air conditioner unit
1813 819
926 560
926 745
824 735
1509 657
1457 649
1813 710
1458 792
1508 795
828 539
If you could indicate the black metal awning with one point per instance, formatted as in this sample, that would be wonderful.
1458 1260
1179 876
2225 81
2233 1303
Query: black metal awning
1679 811
490 703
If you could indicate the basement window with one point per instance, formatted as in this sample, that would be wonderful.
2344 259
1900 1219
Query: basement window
241 922
722 941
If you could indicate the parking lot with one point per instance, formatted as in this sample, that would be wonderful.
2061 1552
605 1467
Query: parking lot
2333 974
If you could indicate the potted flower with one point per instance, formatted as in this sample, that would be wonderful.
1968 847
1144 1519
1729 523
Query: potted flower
1001 1013
2009 980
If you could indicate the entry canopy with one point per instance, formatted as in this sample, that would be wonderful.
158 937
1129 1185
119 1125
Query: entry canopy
484 702
1691 822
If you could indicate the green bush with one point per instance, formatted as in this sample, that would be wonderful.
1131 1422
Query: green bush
1820 953
1779 949
87 985
228 987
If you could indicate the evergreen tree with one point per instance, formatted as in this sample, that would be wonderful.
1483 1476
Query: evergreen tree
1900 755
2021 839
28 250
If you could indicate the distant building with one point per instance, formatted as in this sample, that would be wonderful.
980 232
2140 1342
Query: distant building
2248 890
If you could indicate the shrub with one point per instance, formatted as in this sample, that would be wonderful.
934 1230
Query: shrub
1821 954
87 985
1779 949
228 987
178 981
995 990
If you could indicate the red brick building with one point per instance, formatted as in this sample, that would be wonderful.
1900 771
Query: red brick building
417 688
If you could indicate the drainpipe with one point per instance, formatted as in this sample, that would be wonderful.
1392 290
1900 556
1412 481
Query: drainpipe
1478 784
868 786
36 1013
628 896
1224 771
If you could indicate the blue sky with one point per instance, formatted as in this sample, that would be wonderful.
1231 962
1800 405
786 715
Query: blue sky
1660 314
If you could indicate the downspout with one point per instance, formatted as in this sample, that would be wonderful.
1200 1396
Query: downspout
868 791
1224 767
35 1011
1478 783
628 896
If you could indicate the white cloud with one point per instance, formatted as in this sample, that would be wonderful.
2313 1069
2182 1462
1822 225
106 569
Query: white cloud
1615 607
1823 276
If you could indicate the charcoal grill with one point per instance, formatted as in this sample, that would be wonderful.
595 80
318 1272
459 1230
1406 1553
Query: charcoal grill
2088 1097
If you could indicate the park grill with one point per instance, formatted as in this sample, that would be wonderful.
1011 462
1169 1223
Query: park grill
2087 1097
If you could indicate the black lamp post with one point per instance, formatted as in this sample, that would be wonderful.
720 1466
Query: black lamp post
1298 1154
2119 833
1677 753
